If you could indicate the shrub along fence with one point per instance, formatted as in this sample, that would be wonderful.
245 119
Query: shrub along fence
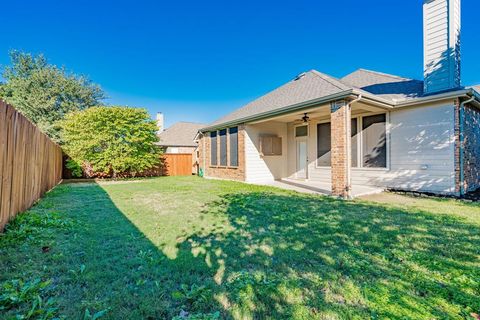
30 163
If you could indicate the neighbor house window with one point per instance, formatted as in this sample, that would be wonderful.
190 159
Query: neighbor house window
355 142
233 137
324 142
374 141
223 147
213 148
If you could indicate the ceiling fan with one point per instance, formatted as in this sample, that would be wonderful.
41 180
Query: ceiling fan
305 119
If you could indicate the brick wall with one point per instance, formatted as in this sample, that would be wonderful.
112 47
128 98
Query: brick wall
231 173
471 149
341 149
457 146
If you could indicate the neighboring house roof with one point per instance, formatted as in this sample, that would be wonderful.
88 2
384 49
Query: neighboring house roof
387 86
313 86
181 134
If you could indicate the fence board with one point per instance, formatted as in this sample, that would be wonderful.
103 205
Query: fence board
30 163
177 164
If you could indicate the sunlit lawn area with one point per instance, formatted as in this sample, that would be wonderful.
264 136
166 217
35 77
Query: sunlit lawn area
202 249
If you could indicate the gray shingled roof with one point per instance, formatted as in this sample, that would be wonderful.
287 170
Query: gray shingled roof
309 86
314 85
384 85
181 134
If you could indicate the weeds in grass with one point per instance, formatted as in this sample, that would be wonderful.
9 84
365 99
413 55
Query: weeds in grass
29 226
97 315
197 316
30 298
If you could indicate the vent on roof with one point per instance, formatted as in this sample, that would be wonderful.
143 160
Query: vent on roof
300 76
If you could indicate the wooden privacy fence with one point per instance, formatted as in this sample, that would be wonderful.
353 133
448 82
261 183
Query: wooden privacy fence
30 163
177 164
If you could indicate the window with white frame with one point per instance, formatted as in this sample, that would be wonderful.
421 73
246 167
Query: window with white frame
374 139
324 141
369 142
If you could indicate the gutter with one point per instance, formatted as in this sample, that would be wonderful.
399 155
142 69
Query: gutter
462 147
433 98
372 99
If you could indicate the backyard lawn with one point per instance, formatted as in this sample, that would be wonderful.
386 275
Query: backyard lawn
190 248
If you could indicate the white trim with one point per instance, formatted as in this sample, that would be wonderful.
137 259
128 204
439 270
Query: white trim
297 139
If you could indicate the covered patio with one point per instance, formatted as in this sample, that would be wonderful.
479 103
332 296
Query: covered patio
339 148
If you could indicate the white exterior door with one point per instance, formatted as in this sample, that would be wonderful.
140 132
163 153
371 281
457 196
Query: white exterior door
302 159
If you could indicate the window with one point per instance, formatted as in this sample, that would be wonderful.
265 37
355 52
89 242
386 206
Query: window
223 147
213 148
271 146
324 144
374 141
355 143
233 136
301 131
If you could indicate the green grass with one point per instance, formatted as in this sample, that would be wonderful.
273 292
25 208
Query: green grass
188 247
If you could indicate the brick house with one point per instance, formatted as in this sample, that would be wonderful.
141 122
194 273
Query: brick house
179 139
365 129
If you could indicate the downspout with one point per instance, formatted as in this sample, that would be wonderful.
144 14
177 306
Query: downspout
348 123
462 138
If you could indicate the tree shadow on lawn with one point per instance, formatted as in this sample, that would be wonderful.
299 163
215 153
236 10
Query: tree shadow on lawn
277 255
300 256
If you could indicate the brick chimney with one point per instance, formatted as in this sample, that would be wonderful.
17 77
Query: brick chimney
441 36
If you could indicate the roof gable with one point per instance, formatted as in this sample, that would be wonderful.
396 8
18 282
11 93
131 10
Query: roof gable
384 85
181 134
307 86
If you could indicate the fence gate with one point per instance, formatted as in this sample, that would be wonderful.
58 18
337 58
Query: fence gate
177 164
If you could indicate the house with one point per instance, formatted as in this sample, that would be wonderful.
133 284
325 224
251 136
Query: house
365 129
179 139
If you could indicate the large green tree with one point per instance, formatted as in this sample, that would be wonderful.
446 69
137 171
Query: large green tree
111 141
45 93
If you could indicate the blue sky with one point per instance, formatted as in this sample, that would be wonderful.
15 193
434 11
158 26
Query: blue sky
198 60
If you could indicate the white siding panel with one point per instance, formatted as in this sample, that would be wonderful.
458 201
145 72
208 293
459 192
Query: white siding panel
421 152
264 169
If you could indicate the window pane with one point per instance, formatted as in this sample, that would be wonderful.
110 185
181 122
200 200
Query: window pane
354 143
323 145
233 132
213 148
223 147
374 141
301 131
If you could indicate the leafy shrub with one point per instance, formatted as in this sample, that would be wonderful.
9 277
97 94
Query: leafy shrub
111 141
74 168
